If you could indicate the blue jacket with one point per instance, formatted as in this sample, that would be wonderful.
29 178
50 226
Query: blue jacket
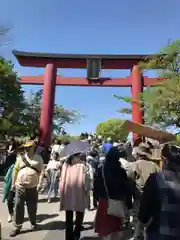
106 147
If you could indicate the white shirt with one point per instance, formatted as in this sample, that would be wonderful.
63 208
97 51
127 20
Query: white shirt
125 164
90 176
57 148
53 164
128 167
135 151
27 176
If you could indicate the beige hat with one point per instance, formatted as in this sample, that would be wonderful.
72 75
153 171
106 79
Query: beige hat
144 149
28 144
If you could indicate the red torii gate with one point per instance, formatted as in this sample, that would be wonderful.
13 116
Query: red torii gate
79 61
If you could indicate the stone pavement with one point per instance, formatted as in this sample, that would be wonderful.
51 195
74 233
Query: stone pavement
50 220
51 223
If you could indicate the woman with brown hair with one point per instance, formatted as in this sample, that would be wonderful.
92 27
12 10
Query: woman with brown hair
74 193
74 187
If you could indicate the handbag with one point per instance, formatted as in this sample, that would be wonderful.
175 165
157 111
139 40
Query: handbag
115 208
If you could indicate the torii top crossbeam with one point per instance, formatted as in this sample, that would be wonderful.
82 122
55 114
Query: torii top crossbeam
29 59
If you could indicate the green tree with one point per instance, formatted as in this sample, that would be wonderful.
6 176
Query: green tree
127 100
11 98
161 102
67 138
11 95
61 116
112 128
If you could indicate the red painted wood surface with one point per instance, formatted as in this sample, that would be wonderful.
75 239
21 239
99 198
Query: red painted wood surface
47 108
75 81
49 80
136 90
79 62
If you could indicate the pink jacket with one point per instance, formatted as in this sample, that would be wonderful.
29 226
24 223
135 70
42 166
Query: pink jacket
73 187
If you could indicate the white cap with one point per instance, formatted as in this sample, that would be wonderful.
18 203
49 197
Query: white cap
115 144
89 138
109 139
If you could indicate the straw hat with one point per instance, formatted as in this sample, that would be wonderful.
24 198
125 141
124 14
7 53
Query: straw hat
28 144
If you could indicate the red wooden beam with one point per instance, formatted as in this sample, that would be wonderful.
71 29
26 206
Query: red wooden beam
108 61
77 81
78 64
152 81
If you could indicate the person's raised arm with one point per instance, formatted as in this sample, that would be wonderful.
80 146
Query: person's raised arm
27 159
15 171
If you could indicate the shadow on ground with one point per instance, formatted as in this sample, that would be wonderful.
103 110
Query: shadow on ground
55 229
44 200
54 225
128 234
41 217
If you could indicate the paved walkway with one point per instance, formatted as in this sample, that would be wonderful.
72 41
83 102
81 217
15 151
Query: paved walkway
51 223
50 220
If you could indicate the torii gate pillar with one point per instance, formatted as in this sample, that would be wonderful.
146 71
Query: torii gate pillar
136 90
47 108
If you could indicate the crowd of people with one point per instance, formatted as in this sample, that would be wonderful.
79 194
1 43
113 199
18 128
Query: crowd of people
117 179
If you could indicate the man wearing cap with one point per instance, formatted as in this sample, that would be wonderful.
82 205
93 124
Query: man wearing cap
142 168
27 178
107 145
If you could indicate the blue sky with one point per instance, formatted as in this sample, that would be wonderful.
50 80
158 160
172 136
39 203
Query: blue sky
94 26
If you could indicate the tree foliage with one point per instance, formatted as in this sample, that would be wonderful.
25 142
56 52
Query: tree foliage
127 100
11 97
161 102
112 128
61 116
20 115
67 138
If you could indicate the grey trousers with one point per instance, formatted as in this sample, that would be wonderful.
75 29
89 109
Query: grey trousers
30 196
53 183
